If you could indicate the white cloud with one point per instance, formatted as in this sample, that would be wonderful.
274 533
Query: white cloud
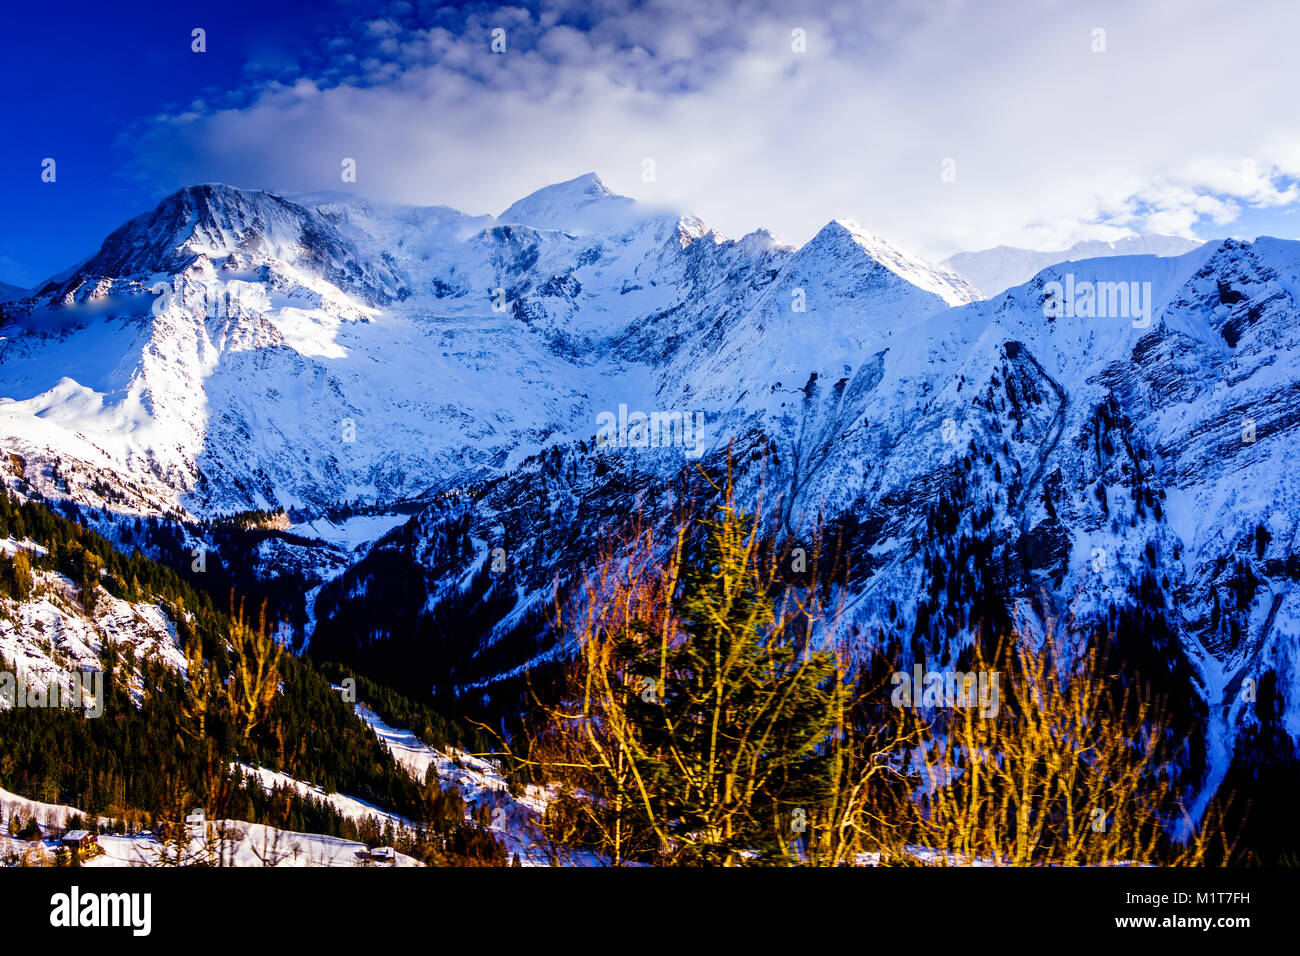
1186 118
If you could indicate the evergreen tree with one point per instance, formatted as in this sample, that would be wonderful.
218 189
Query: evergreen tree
89 582
745 709
21 575
698 722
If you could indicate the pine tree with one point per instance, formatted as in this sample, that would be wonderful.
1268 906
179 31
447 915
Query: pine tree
698 722
744 709
22 575
89 582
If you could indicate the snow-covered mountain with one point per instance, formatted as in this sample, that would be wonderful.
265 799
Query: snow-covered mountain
1119 458
233 350
995 270
583 204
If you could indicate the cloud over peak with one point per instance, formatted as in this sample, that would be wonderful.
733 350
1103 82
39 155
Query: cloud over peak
948 126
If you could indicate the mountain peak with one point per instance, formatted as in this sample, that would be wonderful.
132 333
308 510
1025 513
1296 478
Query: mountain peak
220 222
850 230
845 236
208 218
589 181
581 204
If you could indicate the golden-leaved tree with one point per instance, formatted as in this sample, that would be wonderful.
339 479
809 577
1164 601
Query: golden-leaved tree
1071 770
697 724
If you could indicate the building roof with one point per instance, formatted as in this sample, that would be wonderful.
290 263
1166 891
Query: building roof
76 835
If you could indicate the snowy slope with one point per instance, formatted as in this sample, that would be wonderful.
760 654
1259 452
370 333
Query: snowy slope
50 636
513 821
239 843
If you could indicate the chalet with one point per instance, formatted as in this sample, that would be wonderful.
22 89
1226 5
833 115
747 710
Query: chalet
79 840
379 854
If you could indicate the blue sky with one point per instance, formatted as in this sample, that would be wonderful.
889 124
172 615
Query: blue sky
80 79
940 124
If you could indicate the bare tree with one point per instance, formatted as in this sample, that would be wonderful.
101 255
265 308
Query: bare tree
1070 771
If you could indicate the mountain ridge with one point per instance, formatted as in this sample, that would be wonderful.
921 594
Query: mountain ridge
999 268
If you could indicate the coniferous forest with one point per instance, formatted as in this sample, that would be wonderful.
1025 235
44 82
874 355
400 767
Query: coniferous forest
143 764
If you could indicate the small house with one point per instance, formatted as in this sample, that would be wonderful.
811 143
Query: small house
79 840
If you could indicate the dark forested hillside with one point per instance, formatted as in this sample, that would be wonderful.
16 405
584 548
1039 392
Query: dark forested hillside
145 761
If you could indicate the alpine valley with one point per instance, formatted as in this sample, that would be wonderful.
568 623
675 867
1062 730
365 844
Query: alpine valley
386 422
